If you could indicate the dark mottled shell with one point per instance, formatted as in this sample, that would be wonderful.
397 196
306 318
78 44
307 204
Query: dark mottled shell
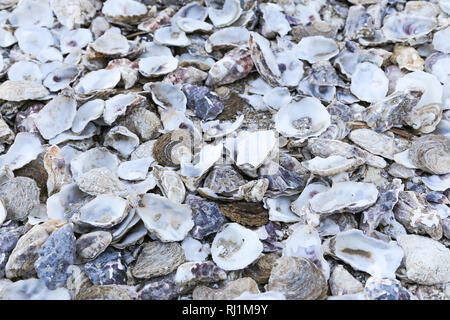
260 271
224 179
107 268
166 148
161 288
205 103
385 289
208 218
238 63
10 233
245 213
359 23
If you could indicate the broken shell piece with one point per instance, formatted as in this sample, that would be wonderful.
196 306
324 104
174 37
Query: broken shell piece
170 184
26 38
194 250
98 80
230 12
122 139
329 166
437 183
264 59
369 83
399 27
171 36
118 104
191 273
227 38
431 153
376 257
167 95
173 147
305 242
303 119
407 58
134 169
168 220
311 190
440 42
377 143
274 20
60 204
245 213
235 247
216 129
316 48
93 158
101 181
26 148
190 25
87 112
156 66
345 197
279 209
56 116
57 170
20 90
104 211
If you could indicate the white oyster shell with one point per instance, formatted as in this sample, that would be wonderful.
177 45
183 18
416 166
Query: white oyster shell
168 220
26 148
119 9
25 70
27 36
171 36
329 166
274 20
98 80
22 90
305 242
440 40
59 203
93 158
189 25
71 39
230 12
117 106
157 65
216 129
61 77
345 197
167 95
31 13
402 26
194 250
376 257
122 139
227 37
134 169
235 247
87 112
369 83
280 209
103 212
308 192
303 119
32 289
437 182
56 116
316 48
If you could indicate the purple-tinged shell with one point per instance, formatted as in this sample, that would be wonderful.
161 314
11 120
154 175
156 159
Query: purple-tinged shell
187 74
236 64
207 216
205 103
25 119
162 288
10 233
107 268
385 289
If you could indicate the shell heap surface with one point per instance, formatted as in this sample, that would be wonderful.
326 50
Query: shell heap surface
224 149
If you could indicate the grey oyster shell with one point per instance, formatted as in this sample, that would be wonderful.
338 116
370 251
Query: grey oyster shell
55 256
158 259
20 197
385 289
298 279
431 153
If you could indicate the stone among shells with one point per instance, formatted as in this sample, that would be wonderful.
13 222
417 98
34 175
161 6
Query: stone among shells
245 213
55 256
235 247
207 216
106 269
431 153
168 220
101 181
206 104
376 257
426 260
298 279
20 197
345 197
90 245
158 259
10 233
22 258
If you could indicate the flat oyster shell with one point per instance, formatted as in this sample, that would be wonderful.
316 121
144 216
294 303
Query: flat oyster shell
168 220
303 119
158 259
19 90
371 90
316 48
376 257
298 279
329 166
235 247
227 37
122 139
99 181
98 80
103 211
377 143
431 153
345 197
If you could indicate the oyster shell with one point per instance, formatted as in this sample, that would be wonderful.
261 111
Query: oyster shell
431 153
373 90
26 148
316 48
235 247
329 166
230 12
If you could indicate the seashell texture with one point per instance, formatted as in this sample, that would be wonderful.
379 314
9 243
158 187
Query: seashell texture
235 247
298 279
431 153
158 259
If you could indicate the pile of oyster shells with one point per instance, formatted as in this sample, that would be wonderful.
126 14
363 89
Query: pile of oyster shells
236 149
